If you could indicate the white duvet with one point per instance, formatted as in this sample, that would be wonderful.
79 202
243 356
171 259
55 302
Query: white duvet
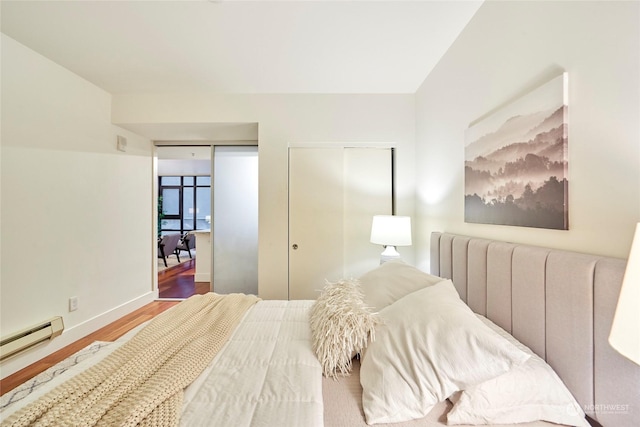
266 375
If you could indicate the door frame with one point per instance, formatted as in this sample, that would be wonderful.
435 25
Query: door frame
155 193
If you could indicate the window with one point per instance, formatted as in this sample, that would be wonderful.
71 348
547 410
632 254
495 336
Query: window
184 204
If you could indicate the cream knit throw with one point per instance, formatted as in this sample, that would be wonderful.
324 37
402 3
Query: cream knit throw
142 382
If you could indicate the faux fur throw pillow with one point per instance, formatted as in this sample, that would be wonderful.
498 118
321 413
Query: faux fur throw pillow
341 325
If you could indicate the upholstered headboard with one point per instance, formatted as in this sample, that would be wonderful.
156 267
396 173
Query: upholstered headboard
558 303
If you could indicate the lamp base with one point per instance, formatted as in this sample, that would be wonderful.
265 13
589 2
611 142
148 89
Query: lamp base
389 254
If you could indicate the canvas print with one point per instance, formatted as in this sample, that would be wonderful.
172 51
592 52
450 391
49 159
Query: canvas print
516 162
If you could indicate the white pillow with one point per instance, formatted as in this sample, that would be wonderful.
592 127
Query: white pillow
340 326
428 346
391 281
529 392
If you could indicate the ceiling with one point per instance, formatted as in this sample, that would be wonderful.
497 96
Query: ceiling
240 46
233 46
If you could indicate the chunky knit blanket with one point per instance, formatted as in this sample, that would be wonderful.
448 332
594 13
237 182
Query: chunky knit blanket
142 382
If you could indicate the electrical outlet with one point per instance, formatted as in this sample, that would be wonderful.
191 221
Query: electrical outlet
73 303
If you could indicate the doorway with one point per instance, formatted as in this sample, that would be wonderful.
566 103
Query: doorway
184 206
208 194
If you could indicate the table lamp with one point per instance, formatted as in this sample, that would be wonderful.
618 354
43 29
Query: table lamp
390 231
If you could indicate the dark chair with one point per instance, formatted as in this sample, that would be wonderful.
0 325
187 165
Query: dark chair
167 245
187 243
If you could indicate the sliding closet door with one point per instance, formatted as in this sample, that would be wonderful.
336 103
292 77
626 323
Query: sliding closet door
333 195
367 192
315 219
235 220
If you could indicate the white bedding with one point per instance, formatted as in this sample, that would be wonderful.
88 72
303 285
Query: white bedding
266 374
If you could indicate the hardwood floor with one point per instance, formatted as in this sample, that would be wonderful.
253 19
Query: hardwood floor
111 332
179 282
175 282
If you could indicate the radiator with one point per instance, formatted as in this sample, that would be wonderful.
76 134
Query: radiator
29 337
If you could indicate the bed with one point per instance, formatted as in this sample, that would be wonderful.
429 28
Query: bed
557 304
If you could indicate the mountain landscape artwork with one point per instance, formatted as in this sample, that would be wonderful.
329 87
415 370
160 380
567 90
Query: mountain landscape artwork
516 162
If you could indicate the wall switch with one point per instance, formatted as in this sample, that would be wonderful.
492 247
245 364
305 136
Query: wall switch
73 303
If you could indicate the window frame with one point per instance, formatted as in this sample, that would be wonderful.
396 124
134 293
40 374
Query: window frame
180 216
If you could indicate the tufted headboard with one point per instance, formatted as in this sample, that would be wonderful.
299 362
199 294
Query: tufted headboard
558 303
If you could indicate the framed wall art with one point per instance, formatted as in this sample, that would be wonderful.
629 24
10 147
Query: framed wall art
516 162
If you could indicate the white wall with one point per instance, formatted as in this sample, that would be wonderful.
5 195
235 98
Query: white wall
507 49
76 213
284 120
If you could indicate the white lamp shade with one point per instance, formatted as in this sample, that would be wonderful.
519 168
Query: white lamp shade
625 332
391 230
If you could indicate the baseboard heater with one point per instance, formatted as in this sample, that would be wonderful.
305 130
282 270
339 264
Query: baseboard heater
29 337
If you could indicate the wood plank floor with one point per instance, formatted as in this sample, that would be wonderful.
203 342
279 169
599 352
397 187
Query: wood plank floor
176 282
179 281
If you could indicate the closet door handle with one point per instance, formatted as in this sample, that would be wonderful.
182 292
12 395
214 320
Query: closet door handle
294 246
